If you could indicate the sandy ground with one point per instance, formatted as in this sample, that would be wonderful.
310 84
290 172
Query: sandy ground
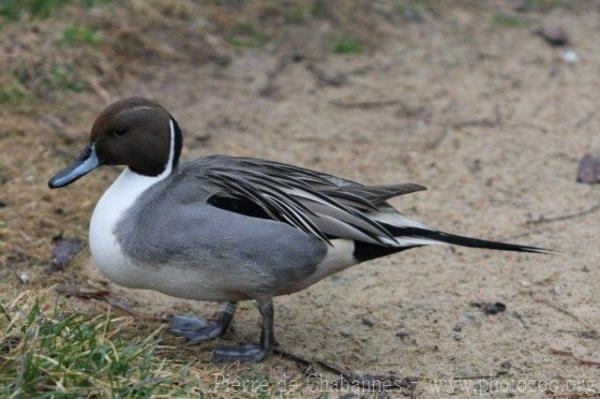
492 121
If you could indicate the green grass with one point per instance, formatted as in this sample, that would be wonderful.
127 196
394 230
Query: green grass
246 34
11 93
300 13
65 78
547 4
40 9
412 9
502 20
47 353
343 44
75 34
15 9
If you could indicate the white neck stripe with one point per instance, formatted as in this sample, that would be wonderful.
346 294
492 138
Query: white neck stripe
169 166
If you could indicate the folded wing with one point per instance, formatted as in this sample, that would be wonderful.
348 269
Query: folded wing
321 205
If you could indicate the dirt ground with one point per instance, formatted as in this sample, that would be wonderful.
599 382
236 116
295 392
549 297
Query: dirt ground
489 118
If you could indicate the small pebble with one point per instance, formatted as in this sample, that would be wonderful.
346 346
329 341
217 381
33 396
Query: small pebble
24 277
506 365
554 36
345 332
569 56
589 169
64 250
490 307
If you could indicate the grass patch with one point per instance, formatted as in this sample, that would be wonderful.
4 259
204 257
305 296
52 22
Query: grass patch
47 353
40 9
65 78
11 93
546 4
300 13
16 9
347 45
246 34
75 34
502 20
412 9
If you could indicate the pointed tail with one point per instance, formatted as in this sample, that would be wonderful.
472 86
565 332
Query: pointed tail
441 237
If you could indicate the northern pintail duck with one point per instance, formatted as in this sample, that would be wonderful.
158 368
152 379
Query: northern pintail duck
229 229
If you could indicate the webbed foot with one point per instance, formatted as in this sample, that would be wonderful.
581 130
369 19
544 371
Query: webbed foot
243 353
197 329
251 352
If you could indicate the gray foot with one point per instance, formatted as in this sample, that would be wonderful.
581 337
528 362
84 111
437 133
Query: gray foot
196 329
251 352
242 353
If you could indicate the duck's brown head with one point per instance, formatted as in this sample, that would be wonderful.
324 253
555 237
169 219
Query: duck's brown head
134 132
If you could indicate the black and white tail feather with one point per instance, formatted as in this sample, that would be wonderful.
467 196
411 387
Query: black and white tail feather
330 208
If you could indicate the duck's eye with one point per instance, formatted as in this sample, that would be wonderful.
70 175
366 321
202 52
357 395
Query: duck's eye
120 132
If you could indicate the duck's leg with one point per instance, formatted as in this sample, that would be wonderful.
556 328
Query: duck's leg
252 352
197 329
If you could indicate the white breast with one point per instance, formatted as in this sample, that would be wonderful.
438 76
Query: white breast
111 207
105 249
